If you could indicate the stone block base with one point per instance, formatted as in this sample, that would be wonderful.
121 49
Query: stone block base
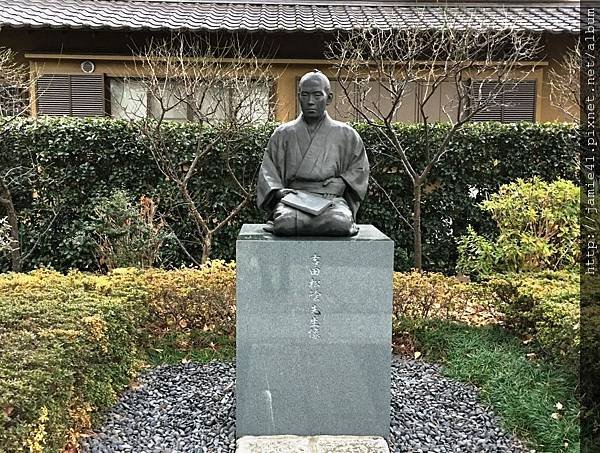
312 444
314 328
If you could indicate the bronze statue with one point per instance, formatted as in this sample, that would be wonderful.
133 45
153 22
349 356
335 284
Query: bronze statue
313 164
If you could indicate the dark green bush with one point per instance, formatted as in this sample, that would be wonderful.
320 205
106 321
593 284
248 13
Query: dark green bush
79 161
543 306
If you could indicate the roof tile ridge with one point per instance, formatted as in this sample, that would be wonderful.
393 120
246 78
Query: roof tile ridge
390 3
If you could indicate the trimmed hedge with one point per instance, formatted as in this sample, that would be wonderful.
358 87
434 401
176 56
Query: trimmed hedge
78 161
432 295
69 345
192 299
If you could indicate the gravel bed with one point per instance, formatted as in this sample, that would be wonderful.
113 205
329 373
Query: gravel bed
191 408
432 413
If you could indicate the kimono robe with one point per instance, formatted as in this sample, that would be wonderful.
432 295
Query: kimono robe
332 164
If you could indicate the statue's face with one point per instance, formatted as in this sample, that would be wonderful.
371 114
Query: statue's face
314 97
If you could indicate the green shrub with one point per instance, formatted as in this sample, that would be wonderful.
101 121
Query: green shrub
80 161
543 306
127 236
69 345
539 230
192 299
421 296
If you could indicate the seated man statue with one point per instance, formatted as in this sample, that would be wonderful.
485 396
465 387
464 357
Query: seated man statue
314 154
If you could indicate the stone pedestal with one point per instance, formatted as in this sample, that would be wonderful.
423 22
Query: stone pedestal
313 334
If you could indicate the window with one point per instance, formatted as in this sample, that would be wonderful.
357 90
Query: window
251 102
340 108
377 98
169 100
128 99
133 99
75 95
516 102
371 97
443 103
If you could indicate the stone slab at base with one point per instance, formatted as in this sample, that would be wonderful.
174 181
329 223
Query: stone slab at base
314 331
311 444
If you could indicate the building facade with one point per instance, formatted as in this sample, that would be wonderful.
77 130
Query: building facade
82 49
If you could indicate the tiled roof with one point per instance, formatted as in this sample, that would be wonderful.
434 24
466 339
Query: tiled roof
282 15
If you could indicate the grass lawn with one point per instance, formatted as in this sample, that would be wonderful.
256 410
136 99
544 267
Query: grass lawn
536 400
193 346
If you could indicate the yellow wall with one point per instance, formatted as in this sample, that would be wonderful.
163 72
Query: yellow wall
556 47
287 73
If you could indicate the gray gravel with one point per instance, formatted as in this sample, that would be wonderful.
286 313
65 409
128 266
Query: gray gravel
191 408
432 413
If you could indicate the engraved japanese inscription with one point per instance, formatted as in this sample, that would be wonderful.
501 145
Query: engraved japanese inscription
314 296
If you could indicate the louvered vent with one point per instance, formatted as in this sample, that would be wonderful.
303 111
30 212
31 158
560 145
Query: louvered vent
76 95
519 102
54 95
87 95
515 102
481 92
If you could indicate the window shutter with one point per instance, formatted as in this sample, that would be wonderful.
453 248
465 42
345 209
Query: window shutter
54 95
492 112
517 102
87 95
76 95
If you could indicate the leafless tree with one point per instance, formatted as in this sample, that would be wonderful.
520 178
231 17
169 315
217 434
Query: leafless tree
565 83
17 83
219 82
465 66
5 240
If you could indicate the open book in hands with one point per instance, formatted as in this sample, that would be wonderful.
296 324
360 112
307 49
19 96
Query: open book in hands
307 202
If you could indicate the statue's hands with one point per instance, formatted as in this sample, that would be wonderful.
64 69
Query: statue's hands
330 180
283 192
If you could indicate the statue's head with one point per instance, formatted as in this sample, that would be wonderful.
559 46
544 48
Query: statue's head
314 94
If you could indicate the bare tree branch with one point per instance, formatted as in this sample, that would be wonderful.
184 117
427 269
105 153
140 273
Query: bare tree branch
213 81
17 91
565 84
387 195
383 71
183 247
